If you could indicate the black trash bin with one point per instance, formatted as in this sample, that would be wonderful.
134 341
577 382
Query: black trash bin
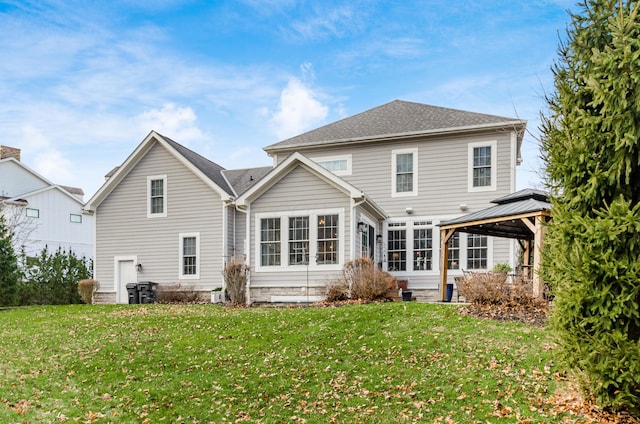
147 291
134 295
406 296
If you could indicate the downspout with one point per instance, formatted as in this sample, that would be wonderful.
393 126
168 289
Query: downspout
248 250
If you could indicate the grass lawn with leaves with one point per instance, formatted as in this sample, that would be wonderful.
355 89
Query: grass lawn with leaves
384 362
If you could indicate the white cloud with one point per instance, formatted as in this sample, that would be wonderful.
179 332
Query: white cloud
48 161
175 122
298 111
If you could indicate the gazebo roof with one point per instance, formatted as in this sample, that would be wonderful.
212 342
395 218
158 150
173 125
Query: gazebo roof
512 217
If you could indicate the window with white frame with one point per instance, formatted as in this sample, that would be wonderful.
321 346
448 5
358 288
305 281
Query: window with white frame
482 166
397 246
328 229
157 196
422 246
270 242
365 249
477 251
339 165
299 239
189 255
453 255
404 172
33 213
75 218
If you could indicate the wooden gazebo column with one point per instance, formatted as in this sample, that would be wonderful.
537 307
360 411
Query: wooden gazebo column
537 229
445 235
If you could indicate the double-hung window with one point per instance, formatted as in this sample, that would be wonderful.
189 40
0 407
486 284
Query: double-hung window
482 166
397 246
270 242
476 251
453 258
404 172
328 228
422 246
299 240
190 255
157 196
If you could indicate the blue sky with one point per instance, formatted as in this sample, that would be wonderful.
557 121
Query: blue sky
83 82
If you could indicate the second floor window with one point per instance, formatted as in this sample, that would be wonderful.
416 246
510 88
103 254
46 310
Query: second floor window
157 196
482 166
405 178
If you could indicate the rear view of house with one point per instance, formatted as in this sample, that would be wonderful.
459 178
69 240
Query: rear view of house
375 184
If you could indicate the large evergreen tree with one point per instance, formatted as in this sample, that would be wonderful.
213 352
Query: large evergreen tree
591 145
8 267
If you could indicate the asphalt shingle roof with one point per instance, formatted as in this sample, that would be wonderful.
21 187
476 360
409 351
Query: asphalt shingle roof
243 179
391 119
211 169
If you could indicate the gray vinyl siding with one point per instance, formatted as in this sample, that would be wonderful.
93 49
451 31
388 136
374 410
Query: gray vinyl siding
237 234
442 184
123 229
298 191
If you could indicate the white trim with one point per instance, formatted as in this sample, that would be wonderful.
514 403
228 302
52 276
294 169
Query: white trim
494 165
394 156
181 274
116 272
347 158
313 240
165 190
409 227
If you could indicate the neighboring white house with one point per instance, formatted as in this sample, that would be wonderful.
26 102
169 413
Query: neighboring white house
374 184
42 213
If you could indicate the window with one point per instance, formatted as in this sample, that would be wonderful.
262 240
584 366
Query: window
404 173
157 196
339 165
299 240
270 242
365 249
397 247
453 258
328 239
476 251
75 218
33 213
482 166
422 248
190 255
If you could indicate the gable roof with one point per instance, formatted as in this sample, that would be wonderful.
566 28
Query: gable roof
297 159
208 171
70 190
241 180
24 196
395 119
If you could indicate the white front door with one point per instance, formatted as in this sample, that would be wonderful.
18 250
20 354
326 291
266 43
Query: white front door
125 273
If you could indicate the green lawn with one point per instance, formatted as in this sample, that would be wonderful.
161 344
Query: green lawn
388 362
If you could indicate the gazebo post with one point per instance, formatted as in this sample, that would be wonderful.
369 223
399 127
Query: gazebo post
537 256
526 260
445 235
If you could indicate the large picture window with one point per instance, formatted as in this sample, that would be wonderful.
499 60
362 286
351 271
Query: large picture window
410 246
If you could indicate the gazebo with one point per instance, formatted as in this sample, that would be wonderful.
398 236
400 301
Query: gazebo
518 215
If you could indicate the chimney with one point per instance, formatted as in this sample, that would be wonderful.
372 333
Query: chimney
9 152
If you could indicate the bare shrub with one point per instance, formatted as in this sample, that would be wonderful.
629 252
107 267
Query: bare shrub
493 288
176 293
86 289
361 279
235 278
